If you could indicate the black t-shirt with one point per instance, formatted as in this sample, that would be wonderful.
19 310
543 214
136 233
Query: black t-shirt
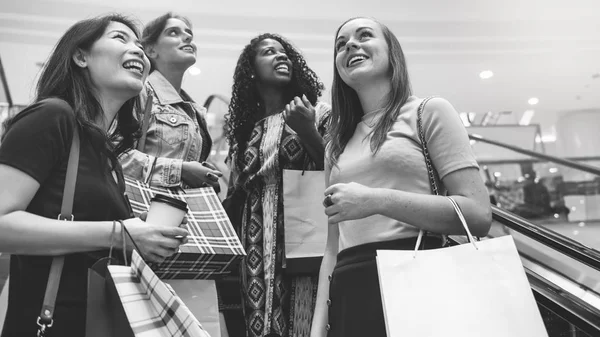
38 143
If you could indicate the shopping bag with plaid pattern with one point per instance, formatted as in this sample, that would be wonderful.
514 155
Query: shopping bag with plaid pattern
213 248
151 307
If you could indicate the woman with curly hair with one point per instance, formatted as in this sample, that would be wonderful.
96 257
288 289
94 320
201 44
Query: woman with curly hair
274 123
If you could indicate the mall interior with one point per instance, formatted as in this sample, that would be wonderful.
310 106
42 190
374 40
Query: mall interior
524 76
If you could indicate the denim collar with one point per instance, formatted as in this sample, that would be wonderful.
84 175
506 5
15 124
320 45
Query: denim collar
164 91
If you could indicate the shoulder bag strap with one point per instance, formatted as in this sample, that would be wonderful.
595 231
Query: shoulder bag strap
45 321
431 172
430 169
428 162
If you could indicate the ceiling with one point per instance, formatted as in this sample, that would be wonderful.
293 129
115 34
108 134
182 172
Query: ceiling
535 48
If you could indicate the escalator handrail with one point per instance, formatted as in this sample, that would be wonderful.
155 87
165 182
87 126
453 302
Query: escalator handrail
212 97
563 304
565 162
560 243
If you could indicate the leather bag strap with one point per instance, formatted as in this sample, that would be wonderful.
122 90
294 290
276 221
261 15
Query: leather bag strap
45 320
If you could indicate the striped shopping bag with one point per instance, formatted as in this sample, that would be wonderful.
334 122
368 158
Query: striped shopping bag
213 249
151 307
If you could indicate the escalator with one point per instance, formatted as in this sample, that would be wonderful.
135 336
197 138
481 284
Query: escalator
556 231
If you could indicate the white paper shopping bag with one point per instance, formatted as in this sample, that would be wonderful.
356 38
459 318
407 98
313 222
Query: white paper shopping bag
305 220
471 290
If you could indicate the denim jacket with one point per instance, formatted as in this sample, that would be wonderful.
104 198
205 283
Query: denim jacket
177 132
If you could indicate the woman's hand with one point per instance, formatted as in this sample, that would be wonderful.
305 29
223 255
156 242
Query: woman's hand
348 202
184 221
300 115
155 243
195 174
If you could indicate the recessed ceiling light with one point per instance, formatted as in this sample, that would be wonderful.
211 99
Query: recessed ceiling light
194 71
484 75
533 101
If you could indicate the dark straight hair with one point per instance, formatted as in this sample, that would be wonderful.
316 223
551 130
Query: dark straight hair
346 110
62 78
154 28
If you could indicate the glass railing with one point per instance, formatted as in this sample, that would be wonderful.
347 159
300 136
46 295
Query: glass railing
557 193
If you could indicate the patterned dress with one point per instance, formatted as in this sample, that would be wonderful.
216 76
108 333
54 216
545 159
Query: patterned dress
273 302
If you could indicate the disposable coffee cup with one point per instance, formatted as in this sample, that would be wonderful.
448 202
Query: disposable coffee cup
166 211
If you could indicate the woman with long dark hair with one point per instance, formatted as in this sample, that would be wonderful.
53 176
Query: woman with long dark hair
274 122
379 194
92 77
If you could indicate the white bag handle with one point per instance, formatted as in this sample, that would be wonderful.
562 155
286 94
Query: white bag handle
461 217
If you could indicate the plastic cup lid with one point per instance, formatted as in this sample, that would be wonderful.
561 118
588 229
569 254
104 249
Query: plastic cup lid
180 204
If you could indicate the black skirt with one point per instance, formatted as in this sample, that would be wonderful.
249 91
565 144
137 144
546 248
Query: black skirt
355 308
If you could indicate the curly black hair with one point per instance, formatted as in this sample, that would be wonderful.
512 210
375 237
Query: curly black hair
245 105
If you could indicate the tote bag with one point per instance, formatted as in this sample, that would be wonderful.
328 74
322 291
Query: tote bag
470 290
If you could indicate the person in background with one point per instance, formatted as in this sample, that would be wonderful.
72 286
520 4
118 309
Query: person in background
274 122
379 194
92 77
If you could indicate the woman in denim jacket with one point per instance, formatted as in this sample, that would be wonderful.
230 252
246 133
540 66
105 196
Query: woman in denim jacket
178 141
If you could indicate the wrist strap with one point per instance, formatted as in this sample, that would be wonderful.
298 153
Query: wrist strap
45 320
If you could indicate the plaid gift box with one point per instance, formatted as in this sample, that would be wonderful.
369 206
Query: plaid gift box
213 249
152 309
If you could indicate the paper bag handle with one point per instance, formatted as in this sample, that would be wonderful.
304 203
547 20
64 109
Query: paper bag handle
463 221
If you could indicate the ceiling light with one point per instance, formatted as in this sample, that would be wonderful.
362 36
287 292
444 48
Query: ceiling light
484 75
533 101
194 71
